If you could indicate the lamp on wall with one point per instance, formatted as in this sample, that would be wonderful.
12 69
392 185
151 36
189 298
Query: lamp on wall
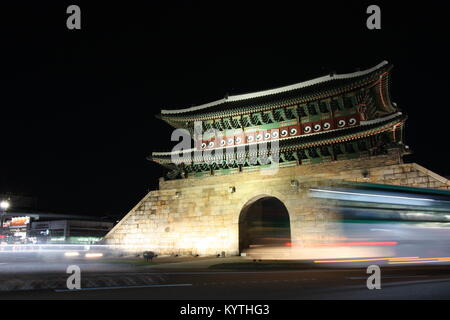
232 189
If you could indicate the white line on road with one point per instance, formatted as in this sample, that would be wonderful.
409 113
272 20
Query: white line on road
390 277
127 287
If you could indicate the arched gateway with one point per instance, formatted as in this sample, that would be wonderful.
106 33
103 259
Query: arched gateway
342 127
264 221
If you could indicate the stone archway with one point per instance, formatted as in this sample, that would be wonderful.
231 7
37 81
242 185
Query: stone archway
265 221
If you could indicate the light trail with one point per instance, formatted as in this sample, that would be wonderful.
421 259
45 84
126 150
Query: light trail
398 260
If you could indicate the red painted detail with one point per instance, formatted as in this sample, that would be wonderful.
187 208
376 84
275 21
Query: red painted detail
281 131
252 134
330 122
337 122
242 139
314 124
305 126
296 128
272 132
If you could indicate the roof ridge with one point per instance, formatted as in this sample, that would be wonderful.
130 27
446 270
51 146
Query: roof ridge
295 86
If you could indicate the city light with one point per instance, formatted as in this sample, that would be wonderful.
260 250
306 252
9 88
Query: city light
71 254
94 255
4 205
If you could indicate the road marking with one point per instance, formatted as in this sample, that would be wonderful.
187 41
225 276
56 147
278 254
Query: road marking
390 277
127 287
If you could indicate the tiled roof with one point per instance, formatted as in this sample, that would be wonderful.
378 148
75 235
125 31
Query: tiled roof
309 90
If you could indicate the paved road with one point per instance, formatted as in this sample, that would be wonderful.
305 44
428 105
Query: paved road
405 283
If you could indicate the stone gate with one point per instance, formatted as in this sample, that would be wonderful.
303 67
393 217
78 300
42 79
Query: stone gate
201 216
338 127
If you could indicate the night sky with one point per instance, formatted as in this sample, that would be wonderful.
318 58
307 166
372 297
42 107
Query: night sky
78 106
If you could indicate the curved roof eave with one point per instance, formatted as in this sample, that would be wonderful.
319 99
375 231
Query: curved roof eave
288 88
380 121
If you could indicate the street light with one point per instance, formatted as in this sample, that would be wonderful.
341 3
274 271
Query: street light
4 205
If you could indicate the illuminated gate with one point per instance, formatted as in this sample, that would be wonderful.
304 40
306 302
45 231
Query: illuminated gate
264 222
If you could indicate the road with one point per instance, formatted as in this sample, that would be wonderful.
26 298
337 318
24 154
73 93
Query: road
396 283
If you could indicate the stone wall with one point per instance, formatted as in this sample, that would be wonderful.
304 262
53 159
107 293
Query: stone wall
201 215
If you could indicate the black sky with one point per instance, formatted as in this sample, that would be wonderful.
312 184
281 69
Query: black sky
77 107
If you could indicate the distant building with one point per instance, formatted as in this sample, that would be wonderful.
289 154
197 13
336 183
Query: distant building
68 231
22 223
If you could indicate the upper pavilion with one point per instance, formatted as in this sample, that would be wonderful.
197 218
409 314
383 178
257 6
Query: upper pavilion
334 117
